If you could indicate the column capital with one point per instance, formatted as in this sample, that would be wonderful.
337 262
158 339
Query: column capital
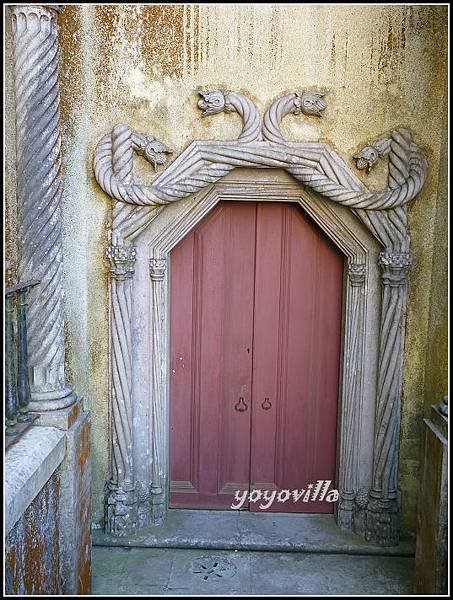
356 273
394 266
122 259
31 17
157 268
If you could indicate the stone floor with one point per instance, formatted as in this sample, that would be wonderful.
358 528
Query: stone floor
171 571
202 552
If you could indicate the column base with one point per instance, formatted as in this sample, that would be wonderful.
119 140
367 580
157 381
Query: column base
382 521
120 511
63 418
53 400
345 511
127 510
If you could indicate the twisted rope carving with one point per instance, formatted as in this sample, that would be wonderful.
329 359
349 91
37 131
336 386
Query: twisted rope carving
394 266
113 163
39 188
216 101
315 165
122 259
308 103
407 174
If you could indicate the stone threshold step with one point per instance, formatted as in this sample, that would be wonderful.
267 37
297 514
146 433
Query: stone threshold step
247 531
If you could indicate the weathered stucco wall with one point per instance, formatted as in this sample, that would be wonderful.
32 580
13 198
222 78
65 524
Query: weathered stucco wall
384 66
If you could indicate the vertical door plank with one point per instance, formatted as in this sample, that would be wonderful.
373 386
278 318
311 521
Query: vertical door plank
210 440
298 345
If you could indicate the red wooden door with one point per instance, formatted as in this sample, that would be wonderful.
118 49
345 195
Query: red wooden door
255 342
212 287
296 354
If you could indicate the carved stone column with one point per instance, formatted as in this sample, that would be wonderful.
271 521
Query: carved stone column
382 512
352 393
121 501
39 192
159 416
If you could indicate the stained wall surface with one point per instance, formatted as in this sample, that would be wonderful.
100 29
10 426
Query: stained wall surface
383 67
32 549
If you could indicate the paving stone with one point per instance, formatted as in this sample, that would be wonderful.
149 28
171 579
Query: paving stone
300 573
152 571
205 572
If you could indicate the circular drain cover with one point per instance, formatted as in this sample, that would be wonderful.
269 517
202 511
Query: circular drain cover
213 567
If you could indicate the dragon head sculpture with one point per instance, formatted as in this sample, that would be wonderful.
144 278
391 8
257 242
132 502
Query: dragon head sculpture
213 102
152 149
366 158
309 103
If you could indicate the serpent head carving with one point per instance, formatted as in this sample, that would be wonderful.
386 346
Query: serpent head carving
152 149
213 102
366 158
309 103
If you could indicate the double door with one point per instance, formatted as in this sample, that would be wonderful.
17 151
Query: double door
256 294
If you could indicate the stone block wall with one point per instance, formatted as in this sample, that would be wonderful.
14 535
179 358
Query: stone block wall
48 510
32 561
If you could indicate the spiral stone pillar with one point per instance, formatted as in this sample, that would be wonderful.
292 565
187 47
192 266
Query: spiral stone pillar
382 512
39 195
120 505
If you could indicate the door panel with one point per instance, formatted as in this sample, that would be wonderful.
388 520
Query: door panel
212 286
296 355
256 292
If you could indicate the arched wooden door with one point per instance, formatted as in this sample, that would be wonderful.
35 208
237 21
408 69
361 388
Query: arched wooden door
256 296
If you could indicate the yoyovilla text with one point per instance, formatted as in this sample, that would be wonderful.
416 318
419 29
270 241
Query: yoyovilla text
314 492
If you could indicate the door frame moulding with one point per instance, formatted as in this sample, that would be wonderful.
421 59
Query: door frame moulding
370 228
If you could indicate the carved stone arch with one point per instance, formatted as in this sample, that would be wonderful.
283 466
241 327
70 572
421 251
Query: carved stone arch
369 227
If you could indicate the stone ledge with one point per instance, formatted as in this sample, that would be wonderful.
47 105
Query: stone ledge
252 531
29 464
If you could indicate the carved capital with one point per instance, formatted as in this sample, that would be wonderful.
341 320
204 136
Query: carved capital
157 268
394 267
356 273
122 259
29 18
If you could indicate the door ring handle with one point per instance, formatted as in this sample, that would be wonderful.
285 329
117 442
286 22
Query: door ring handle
266 404
240 405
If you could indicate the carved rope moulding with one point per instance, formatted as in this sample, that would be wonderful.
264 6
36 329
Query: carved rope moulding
260 144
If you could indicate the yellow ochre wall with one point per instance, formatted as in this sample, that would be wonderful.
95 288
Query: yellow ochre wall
383 67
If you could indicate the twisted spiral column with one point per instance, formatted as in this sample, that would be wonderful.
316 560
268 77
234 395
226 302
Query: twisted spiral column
120 505
39 191
382 519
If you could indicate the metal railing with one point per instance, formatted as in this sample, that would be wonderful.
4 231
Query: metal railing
17 385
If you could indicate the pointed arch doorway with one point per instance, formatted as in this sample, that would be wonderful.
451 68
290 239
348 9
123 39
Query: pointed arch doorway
256 294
